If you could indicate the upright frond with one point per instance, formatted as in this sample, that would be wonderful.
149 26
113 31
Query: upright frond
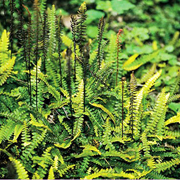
157 112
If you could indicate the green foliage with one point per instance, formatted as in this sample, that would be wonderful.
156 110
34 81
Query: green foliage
67 110
22 173
121 6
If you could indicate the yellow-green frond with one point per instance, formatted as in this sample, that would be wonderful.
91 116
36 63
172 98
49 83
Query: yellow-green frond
174 119
22 173
51 173
4 42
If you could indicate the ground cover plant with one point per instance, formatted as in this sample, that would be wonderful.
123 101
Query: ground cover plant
75 107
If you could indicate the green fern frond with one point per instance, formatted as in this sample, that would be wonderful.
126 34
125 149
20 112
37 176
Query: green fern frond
151 163
37 139
138 101
151 82
67 128
78 105
109 173
51 63
174 85
145 146
4 43
131 157
107 136
142 60
36 123
172 134
167 165
174 119
148 75
55 163
6 69
7 130
111 56
52 31
22 173
91 148
157 112
88 151
156 175
174 98
64 168
67 41
161 125
26 139
17 131
44 161
42 6
51 173
105 110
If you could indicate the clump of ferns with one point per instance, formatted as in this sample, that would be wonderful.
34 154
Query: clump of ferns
111 134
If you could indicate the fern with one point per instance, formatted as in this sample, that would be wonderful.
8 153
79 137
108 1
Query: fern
166 165
107 136
51 173
26 139
78 106
42 6
109 173
148 75
146 146
51 64
174 98
156 175
174 119
139 97
6 69
4 44
43 163
174 86
7 130
22 173
6 63
84 165
161 124
142 60
64 168
157 112
37 139
105 110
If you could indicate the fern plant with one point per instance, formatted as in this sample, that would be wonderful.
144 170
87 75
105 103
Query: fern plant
77 115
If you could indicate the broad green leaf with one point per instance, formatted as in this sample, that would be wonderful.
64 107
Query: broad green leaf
93 15
92 31
120 6
104 5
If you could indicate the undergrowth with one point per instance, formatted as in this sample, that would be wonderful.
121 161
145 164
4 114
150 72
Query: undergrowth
71 109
